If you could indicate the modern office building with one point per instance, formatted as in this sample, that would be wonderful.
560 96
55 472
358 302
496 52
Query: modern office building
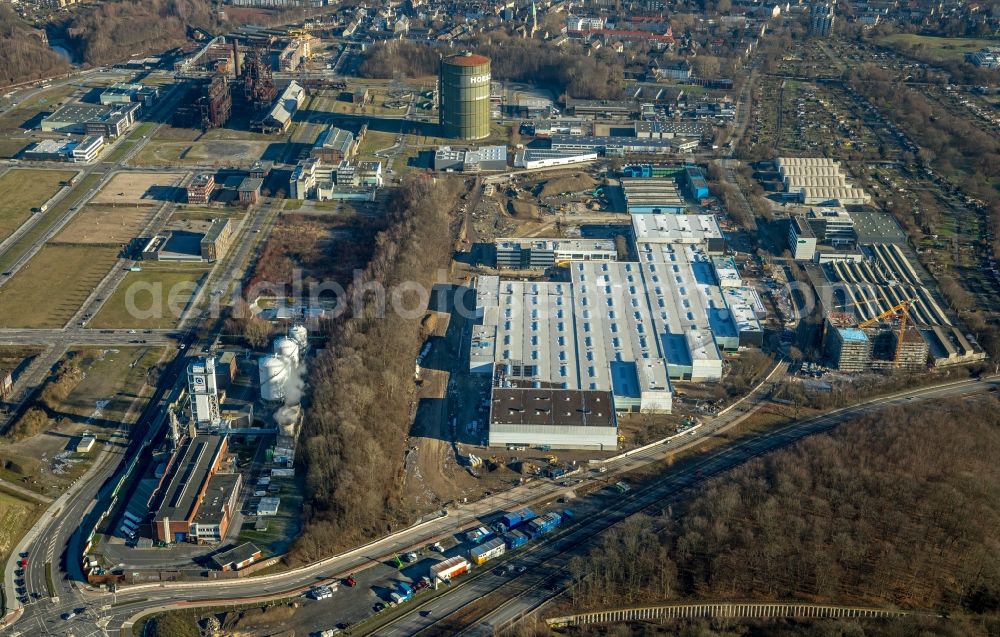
126 93
217 240
313 178
88 149
113 123
832 226
464 94
525 254
472 160
49 150
532 158
987 58
801 238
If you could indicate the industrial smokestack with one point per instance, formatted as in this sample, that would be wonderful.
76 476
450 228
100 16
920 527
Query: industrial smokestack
236 59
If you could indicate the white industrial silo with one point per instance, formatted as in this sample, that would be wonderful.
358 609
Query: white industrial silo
300 335
287 349
273 377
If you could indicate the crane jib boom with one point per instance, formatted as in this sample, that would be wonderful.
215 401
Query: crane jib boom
902 310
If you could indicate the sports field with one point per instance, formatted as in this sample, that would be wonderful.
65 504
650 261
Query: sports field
22 190
47 291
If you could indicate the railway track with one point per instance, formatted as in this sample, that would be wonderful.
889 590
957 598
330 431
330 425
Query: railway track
547 562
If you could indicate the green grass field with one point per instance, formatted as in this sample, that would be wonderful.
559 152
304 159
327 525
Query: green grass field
16 517
373 141
28 238
46 101
120 151
935 49
52 286
11 147
151 299
21 190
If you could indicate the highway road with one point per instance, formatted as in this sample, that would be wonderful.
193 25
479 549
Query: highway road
527 590
86 337
57 539
546 576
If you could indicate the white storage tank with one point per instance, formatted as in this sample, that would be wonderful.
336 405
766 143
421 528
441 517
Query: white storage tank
300 335
287 349
273 377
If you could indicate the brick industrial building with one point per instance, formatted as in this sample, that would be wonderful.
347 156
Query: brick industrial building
193 501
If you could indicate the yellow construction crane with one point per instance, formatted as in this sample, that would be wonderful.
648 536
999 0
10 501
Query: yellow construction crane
901 311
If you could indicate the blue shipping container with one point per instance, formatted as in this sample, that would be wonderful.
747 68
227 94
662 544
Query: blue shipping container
544 524
516 539
511 520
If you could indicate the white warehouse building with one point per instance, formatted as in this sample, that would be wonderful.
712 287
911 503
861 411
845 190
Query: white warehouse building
626 330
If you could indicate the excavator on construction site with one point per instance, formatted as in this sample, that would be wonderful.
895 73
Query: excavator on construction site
900 312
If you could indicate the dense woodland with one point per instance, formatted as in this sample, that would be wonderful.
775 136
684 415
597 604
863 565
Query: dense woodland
566 70
318 248
113 31
23 55
355 431
897 509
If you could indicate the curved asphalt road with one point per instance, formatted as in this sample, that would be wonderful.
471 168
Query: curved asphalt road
109 613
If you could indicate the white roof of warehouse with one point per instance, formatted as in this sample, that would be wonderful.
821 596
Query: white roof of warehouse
558 245
675 228
829 194
807 161
742 304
